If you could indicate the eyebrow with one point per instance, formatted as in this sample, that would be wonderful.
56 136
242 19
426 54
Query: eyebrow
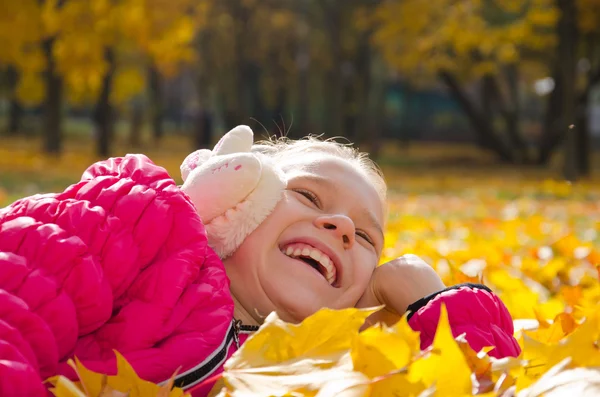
324 182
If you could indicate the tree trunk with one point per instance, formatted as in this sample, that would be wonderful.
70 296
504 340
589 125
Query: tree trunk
376 119
482 127
552 135
281 127
584 140
204 130
52 104
509 110
15 111
240 111
512 113
203 119
567 33
303 65
335 78
363 99
103 114
137 123
487 90
584 137
407 130
157 107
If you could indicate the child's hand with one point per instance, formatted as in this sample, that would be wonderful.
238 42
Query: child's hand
396 285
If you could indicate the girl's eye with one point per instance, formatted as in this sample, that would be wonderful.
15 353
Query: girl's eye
365 236
310 196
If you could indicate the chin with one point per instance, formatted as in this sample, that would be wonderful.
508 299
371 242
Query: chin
296 313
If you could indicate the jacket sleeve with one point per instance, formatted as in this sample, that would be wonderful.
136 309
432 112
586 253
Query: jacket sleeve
473 310
119 260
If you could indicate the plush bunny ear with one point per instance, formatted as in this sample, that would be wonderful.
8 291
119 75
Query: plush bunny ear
194 160
237 140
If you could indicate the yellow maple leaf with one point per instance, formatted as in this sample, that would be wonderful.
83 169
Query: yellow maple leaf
535 355
563 325
63 387
383 353
582 344
445 366
310 358
325 332
92 384
564 379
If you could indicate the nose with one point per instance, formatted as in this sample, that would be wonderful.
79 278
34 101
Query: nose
340 225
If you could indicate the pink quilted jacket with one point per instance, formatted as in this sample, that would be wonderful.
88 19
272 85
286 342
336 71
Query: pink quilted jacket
120 261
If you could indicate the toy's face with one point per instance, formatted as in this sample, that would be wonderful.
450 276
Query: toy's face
317 249
221 182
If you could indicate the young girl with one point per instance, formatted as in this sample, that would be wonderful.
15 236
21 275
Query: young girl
122 260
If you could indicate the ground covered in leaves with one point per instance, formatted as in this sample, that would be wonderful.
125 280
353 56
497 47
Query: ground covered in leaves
534 240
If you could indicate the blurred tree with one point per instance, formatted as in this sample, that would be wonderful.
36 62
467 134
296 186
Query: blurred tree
295 66
574 77
247 57
467 41
95 51
27 50
588 27
155 91
137 122
567 47
15 111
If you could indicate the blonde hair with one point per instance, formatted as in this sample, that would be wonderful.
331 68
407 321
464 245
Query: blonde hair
283 148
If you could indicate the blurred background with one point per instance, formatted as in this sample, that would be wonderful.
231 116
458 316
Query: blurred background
483 114
483 85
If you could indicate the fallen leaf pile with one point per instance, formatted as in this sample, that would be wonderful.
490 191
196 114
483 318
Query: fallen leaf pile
326 356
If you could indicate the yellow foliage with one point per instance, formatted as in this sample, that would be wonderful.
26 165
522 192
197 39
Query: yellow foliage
305 359
30 89
127 83
126 382
387 361
383 354
471 38
589 15
134 30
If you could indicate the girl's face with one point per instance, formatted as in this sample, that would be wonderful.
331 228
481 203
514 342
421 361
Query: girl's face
317 249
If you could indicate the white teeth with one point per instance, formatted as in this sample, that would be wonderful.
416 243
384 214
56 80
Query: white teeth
316 255
296 250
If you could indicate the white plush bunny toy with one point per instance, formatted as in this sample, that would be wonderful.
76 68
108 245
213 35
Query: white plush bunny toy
233 189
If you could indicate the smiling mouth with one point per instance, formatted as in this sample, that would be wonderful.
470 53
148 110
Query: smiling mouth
313 257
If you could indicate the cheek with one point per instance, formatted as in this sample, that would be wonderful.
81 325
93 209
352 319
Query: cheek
366 265
247 255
